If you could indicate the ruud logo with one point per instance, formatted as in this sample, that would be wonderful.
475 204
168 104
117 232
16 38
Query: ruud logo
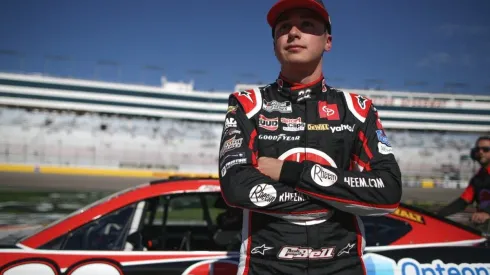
270 124
323 176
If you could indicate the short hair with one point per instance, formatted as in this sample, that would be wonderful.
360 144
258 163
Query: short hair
482 138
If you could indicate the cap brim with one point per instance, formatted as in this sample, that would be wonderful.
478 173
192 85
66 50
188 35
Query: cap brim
285 5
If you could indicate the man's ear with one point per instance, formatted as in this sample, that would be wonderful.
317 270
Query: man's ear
274 47
328 43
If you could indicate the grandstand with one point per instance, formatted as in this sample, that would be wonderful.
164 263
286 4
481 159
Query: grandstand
73 122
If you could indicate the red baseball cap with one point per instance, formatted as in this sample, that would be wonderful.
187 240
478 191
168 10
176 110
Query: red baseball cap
284 5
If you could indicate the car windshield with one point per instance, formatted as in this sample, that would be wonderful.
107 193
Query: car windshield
91 205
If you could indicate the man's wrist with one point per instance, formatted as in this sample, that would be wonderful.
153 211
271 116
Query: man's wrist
291 172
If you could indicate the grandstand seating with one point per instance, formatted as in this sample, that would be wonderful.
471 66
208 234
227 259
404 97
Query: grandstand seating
89 139
105 140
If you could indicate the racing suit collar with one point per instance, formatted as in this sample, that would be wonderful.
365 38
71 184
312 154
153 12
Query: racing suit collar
301 92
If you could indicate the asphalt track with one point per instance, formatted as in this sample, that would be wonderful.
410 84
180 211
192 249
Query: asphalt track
47 182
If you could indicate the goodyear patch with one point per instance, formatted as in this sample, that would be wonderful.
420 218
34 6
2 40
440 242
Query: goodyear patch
409 215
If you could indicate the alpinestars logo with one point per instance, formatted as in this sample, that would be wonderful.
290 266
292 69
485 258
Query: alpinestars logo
246 94
362 101
260 249
346 249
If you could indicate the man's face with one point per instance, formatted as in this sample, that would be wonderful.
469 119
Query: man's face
484 157
300 37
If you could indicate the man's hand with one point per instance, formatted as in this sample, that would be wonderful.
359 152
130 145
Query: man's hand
480 217
270 167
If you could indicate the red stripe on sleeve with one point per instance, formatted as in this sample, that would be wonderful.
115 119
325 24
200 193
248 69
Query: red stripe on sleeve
251 146
358 160
364 141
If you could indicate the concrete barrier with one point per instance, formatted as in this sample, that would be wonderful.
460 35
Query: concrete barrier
93 171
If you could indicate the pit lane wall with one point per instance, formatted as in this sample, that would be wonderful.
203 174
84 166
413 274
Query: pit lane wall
93 171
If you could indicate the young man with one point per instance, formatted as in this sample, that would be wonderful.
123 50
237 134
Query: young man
303 160
479 187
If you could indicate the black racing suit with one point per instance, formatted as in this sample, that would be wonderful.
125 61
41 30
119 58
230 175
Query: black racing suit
477 190
338 164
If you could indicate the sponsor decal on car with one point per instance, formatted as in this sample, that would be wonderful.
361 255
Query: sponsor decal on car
409 215
380 265
208 188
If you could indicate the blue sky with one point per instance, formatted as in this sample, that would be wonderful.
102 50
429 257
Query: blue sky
220 42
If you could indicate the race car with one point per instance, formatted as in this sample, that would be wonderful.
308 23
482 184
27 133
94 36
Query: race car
182 226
